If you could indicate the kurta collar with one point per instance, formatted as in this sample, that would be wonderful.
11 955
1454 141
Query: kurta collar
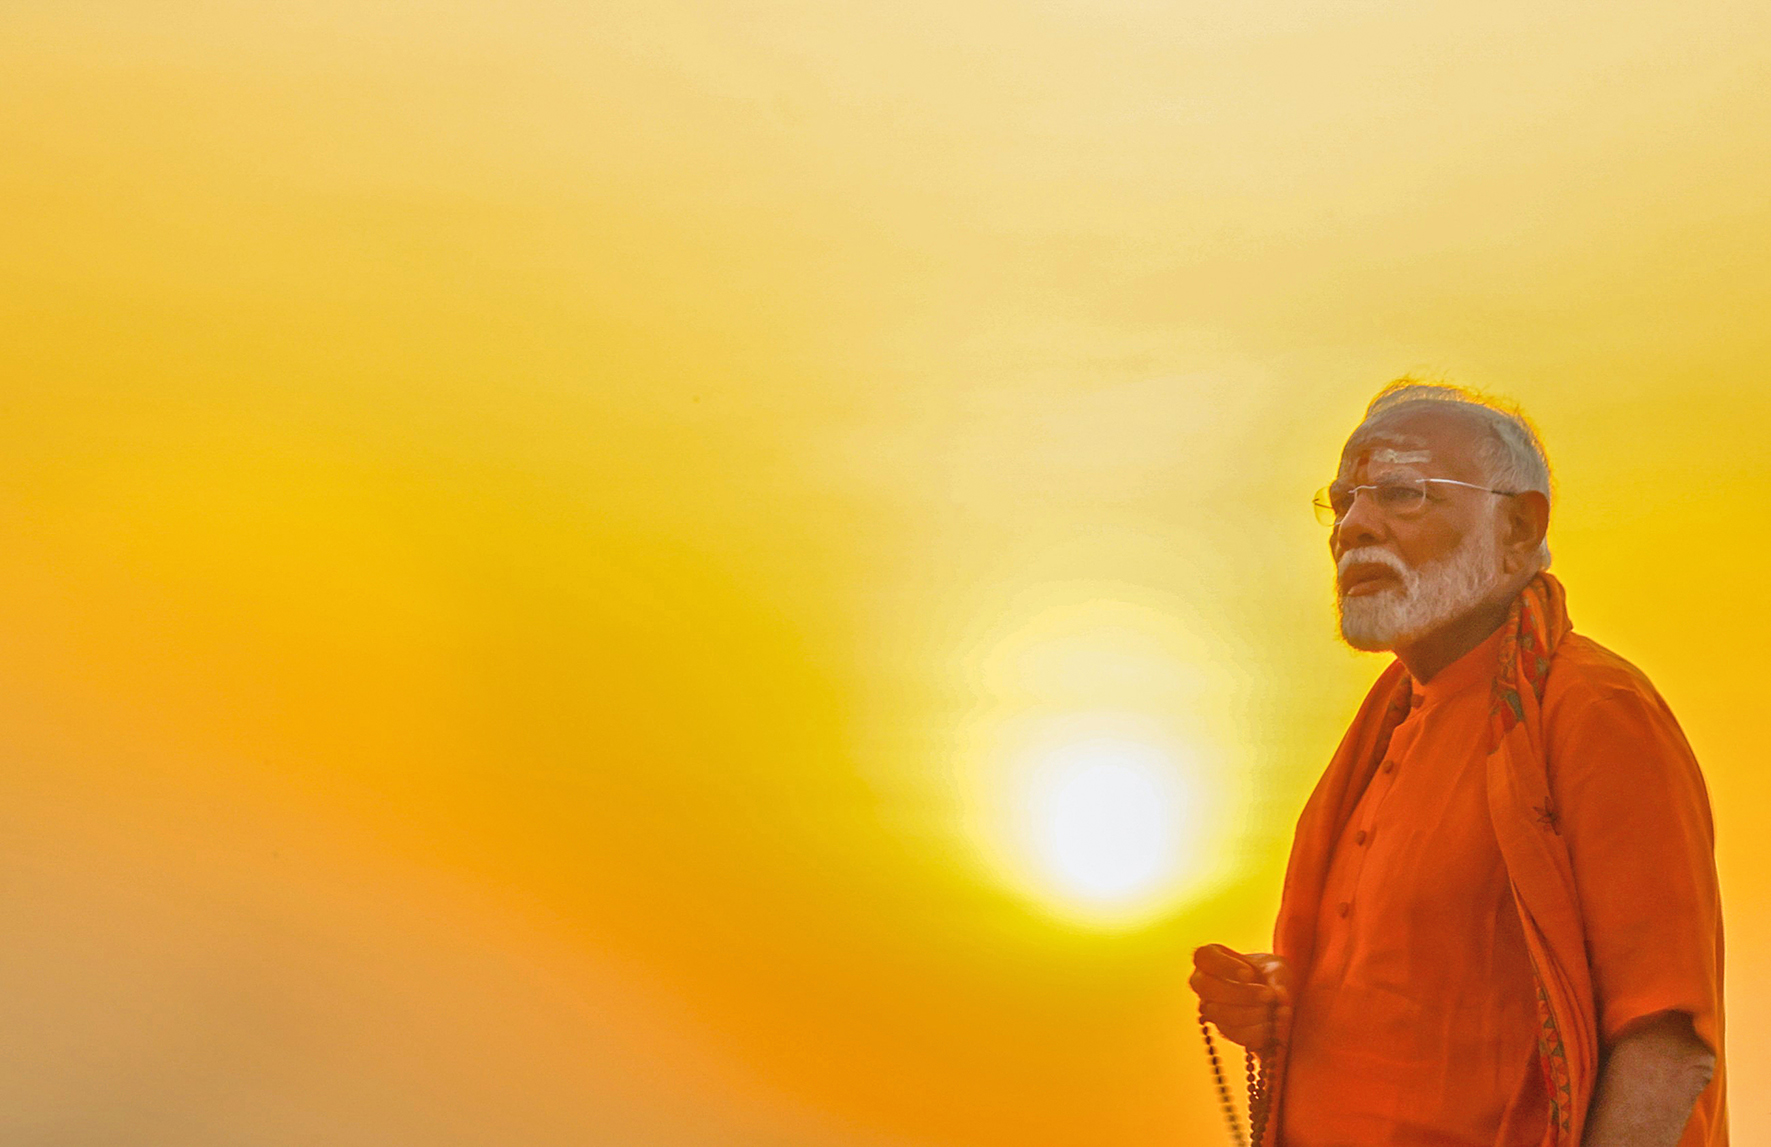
1473 669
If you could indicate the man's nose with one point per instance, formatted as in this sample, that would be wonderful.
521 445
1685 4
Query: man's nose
1363 524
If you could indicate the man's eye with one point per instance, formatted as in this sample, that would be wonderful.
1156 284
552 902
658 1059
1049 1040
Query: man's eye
1397 497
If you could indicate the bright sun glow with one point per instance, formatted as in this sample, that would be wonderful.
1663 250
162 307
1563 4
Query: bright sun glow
1093 778
1106 820
1097 818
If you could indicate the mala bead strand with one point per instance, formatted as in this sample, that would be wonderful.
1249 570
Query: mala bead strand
1258 1071
1260 1091
1258 1105
1217 1075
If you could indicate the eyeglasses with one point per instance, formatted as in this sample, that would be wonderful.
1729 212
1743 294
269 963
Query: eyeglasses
1398 497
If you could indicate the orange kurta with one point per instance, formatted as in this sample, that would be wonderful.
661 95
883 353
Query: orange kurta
1417 1019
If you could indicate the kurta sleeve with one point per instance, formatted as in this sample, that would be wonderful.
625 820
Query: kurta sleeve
1632 808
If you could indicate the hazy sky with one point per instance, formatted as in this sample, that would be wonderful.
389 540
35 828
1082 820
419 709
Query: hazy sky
541 541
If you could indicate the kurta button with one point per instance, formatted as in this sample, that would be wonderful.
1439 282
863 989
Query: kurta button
1389 766
1346 907
1359 837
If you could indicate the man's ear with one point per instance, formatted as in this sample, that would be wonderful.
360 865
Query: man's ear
1527 519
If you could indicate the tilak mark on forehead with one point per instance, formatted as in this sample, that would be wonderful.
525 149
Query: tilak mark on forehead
1384 455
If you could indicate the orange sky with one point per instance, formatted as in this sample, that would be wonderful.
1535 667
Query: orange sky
540 538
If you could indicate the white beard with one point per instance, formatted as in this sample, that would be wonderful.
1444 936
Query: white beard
1428 597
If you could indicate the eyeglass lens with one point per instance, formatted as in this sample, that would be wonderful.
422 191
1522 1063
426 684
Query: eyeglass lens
1396 498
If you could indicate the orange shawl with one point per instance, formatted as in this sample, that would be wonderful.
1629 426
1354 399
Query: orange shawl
1524 818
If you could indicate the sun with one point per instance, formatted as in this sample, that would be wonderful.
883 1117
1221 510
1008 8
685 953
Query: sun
1106 821
1095 818
1092 766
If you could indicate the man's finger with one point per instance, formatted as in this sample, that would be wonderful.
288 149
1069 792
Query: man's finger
1259 1037
1222 991
1272 969
1243 1015
1257 1034
1225 964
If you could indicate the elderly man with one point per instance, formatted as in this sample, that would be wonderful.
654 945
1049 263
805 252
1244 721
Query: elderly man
1500 924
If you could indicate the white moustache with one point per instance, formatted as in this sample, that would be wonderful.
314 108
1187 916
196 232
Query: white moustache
1373 555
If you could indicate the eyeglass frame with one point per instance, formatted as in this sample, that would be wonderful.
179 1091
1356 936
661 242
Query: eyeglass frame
1322 502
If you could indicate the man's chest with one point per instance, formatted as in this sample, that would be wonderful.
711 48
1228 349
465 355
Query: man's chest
1417 880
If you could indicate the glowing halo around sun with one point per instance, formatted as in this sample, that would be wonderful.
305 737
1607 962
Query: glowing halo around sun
1096 818
1107 820
1093 778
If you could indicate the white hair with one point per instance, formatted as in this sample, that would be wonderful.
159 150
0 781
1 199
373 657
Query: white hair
1511 454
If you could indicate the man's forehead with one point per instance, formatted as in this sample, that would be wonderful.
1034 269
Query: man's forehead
1401 457
1410 438
1379 447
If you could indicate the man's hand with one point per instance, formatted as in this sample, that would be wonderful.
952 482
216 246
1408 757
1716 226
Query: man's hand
1652 1077
1247 997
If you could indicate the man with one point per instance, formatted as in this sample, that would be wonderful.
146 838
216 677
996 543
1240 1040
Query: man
1500 925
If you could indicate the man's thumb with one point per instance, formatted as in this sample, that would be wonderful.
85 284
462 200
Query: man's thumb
1274 970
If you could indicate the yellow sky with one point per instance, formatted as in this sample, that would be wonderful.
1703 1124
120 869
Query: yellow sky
535 534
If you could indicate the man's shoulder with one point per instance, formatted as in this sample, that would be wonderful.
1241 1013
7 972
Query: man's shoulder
1606 728
1583 671
1589 682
